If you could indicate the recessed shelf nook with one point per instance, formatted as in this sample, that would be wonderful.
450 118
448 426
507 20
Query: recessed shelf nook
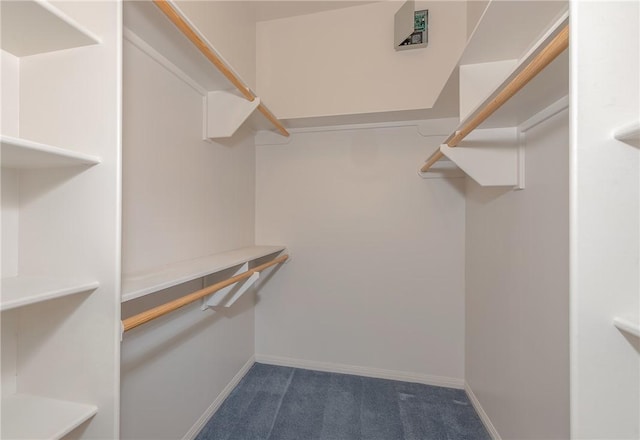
27 416
56 31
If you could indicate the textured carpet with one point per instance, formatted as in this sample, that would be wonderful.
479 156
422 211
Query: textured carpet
280 403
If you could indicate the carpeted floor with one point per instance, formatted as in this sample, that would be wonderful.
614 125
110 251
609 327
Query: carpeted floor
280 403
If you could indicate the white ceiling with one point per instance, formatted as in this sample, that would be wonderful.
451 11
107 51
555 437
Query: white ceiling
271 10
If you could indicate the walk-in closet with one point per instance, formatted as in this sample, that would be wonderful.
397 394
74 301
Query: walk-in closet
335 220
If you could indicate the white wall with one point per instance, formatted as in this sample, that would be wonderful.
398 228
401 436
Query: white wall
230 28
605 211
517 300
475 9
343 61
182 198
376 278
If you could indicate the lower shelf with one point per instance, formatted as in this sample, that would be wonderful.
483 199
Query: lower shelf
33 417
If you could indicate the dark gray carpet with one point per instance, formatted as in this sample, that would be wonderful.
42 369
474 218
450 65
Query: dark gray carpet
280 403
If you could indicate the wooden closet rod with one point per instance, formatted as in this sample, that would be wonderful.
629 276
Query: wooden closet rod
169 307
555 47
187 31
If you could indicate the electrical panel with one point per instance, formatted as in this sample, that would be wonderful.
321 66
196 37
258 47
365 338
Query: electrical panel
411 27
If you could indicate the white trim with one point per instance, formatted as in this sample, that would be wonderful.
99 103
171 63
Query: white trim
545 114
204 418
364 126
486 421
419 124
147 49
442 381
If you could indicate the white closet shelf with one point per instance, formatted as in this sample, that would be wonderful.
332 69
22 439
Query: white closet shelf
32 417
549 86
141 284
158 28
31 27
628 326
520 21
629 134
25 154
23 290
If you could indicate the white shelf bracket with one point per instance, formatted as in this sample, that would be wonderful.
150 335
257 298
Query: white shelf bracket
225 112
241 288
488 156
216 298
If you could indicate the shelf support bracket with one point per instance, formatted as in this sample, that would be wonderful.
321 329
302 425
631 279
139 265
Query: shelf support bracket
225 112
236 290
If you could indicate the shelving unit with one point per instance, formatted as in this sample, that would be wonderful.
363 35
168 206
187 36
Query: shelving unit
33 417
25 154
141 284
627 326
161 30
512 98
22 291
59 168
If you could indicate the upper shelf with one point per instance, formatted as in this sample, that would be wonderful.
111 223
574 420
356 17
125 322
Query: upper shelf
175 41
26 154
32 27
507 30
547 87
538 81
144 283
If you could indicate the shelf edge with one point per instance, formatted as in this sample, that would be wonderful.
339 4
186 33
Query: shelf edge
140 292
38 147
627 326
56 293
629 134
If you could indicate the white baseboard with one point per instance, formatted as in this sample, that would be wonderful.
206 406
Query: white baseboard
195 429
486 421
442 381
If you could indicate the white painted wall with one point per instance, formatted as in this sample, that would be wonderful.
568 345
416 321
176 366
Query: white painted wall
182 198
230 28
376 281
605 214
517 300
342 61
